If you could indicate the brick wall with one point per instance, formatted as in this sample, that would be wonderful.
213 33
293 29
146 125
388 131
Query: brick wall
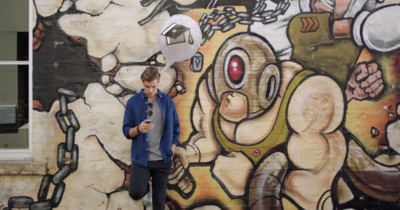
280 106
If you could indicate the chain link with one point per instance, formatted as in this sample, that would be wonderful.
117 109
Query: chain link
230 18
67 160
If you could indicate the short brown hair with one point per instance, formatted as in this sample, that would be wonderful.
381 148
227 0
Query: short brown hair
150 73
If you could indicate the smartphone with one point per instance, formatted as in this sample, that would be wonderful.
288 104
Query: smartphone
147 121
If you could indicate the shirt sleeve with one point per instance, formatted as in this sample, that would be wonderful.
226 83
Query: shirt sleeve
177 130
128 119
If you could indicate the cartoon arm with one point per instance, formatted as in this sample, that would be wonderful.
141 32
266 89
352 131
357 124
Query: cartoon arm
379 181
316 147
201 146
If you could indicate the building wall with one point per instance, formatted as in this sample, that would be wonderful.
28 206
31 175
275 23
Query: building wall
292 108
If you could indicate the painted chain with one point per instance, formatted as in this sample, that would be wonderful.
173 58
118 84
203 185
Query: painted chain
66 164
231 17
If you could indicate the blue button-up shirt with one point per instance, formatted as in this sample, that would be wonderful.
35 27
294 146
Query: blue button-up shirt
136 112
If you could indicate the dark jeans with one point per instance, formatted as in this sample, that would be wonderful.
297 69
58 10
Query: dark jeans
138 182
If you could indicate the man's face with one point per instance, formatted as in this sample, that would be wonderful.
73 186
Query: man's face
151 87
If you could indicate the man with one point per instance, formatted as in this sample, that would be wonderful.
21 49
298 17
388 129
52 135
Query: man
151 122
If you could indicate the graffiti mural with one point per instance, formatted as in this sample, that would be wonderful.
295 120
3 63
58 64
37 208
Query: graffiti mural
286 104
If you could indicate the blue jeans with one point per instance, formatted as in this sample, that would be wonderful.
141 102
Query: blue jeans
139 178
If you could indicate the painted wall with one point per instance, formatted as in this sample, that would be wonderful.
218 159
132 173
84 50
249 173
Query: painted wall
286 104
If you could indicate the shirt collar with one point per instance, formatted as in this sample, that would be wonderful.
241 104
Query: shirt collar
143 95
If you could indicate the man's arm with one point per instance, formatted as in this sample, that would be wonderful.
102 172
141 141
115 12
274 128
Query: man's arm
134 131
129 129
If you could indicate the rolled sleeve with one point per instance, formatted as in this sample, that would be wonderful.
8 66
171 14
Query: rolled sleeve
129 119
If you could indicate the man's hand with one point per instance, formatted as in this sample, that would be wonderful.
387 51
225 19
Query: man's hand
145 126
173 147
365 81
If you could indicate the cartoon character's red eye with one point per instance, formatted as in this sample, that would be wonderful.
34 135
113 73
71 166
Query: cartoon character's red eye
236 69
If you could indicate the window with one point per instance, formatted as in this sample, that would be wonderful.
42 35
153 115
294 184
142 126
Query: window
15 80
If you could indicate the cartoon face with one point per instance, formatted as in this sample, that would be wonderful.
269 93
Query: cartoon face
245 68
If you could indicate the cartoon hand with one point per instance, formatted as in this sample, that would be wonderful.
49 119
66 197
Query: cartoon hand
366 81
179 165
180 176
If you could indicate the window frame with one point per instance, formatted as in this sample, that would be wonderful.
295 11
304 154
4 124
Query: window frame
24 154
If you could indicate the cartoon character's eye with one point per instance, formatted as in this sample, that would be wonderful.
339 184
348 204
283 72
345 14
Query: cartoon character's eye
236 69
268 85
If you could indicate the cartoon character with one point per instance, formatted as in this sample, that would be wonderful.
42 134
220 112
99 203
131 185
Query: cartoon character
252 112
372 146
374 143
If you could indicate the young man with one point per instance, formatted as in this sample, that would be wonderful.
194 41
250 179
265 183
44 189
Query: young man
151 122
